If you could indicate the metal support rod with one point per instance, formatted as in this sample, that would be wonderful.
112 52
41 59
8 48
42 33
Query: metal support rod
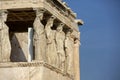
30 44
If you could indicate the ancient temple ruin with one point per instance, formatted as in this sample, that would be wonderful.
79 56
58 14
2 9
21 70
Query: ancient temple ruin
39 40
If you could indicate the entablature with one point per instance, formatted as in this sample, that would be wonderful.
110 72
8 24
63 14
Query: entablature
54 7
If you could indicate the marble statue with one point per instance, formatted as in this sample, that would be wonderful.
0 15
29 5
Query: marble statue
43 47
5 46
69 49
51 51
39 37
60 38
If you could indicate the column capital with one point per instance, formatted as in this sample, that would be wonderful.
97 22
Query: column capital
78 36
39 11
77 42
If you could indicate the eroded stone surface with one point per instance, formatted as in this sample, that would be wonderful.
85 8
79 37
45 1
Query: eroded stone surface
56 41
60 44
69 48
5 46
19 44
39 38
51 51
31 71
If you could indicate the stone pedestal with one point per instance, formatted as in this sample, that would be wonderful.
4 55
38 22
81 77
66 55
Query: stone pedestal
31 71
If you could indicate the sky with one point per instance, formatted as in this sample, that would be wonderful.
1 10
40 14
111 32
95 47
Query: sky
100 38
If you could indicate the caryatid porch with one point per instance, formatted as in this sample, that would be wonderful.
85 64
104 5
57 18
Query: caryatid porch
26 17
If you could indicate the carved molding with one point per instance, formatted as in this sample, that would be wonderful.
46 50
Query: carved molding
33 64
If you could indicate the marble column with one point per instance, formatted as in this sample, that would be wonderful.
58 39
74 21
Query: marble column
5 46
77 59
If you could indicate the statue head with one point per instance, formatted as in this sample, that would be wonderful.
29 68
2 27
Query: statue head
3 15
69 32
51 21
60 27
52 17
40 13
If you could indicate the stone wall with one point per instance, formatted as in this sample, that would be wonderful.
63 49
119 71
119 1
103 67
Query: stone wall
19 45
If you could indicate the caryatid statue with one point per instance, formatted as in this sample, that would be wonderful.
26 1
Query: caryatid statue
39 37
60 40
69 49
5 46
51 51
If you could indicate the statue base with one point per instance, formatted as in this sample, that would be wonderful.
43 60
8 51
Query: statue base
31 71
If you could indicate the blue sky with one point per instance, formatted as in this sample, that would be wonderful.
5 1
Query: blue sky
100 38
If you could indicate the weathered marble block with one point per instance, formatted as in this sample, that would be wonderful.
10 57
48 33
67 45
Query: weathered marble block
31 71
